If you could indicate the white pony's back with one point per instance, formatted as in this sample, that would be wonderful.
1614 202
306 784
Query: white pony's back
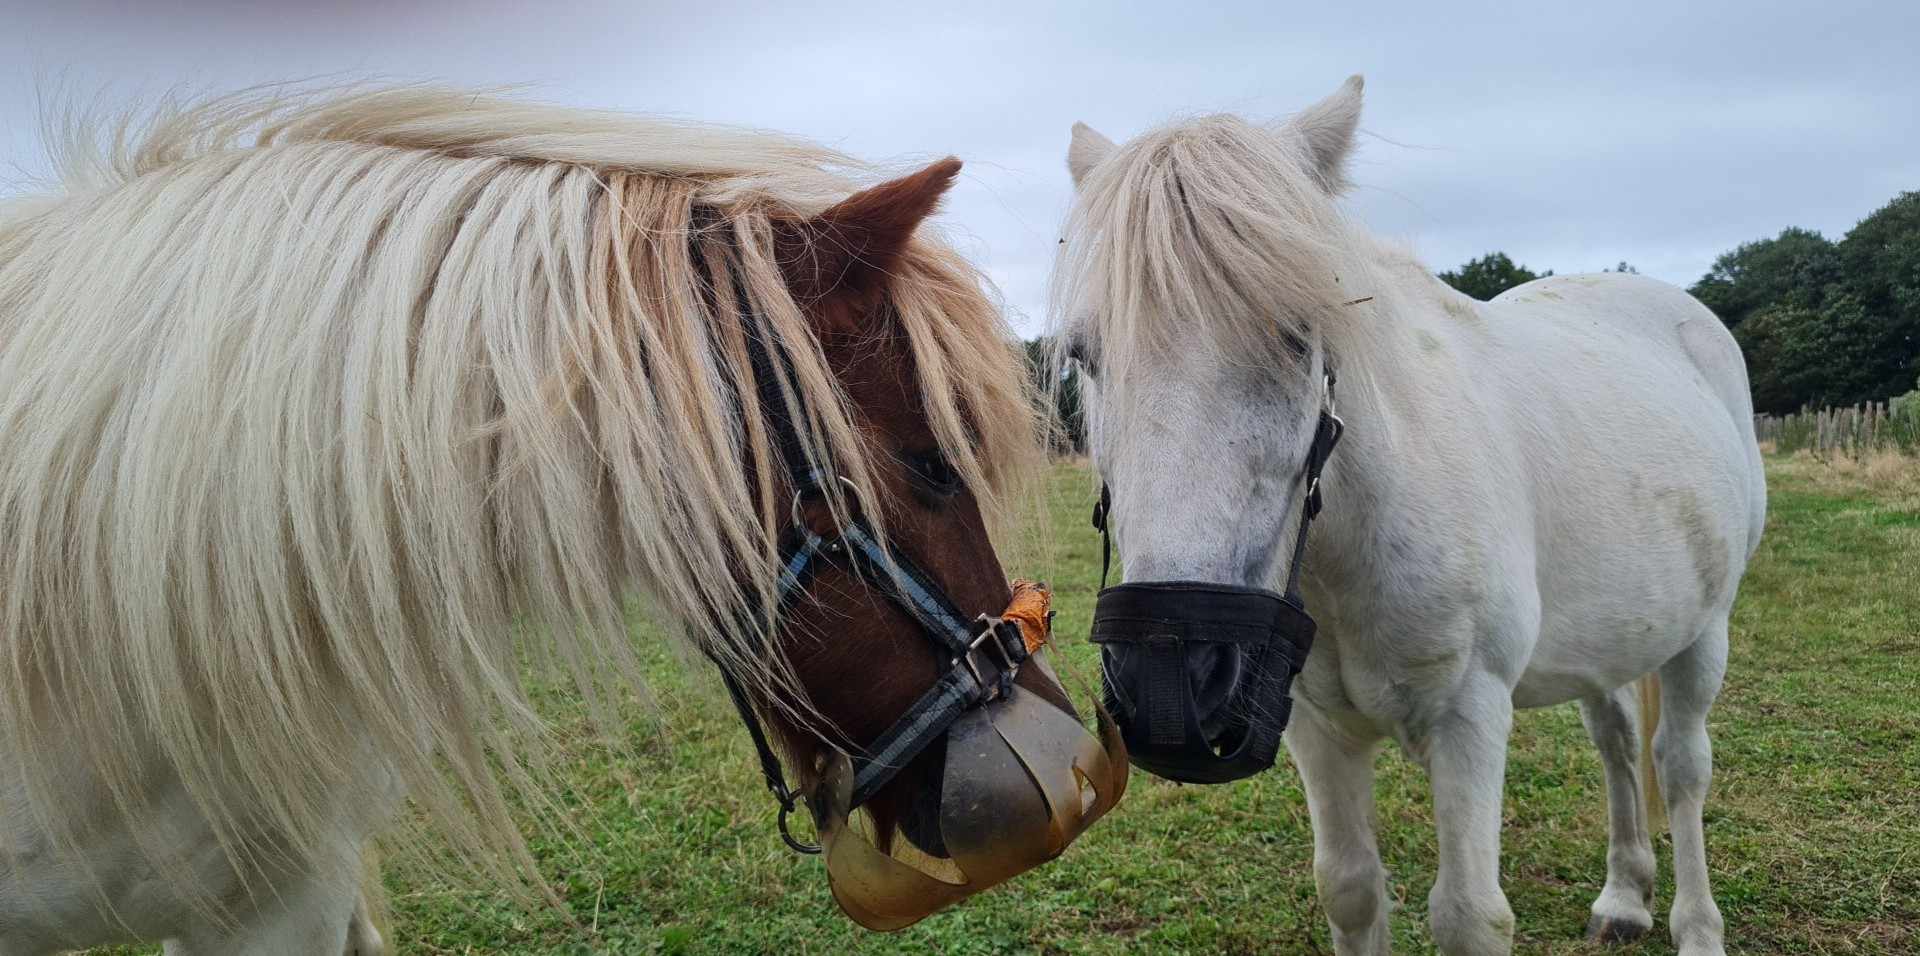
1672 324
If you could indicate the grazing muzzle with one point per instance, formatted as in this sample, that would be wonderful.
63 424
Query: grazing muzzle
1198 674
1022 780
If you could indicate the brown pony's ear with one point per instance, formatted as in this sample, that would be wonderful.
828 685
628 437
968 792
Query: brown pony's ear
849 250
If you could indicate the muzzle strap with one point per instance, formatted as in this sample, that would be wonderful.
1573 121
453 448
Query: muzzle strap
983 654
1166 693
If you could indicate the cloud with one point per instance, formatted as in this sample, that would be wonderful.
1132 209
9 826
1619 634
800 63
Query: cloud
1654 132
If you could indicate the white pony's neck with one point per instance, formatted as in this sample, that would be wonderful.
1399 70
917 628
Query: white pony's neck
1389 386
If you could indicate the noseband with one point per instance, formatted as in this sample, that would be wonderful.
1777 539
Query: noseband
1178 627
982 654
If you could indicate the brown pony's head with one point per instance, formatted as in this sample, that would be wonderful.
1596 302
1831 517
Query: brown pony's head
1016 779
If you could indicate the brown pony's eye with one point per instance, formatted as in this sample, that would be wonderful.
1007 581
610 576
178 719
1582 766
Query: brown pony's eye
932 472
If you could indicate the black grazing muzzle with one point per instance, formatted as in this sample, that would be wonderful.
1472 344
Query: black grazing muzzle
1198 675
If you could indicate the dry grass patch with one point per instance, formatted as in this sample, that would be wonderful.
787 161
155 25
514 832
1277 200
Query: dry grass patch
1886 475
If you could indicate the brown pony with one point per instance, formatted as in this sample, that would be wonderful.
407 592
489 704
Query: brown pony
318 420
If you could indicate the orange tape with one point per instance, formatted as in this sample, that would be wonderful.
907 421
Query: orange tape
1031 606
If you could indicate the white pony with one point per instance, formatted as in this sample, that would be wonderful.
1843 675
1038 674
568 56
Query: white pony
1539 499
320 416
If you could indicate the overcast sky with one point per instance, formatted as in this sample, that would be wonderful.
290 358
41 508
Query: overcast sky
1661 133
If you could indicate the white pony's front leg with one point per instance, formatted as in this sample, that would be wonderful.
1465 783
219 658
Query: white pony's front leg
1337 772
1620 914
363 937
1688 685
1465 751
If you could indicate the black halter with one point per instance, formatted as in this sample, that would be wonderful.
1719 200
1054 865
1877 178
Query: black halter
1173 627
970 678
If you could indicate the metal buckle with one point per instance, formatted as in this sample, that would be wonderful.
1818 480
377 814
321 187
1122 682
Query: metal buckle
1331 406
1331 411
989 635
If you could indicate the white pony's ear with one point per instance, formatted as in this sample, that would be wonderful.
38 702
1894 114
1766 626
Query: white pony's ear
1327 127
1088 149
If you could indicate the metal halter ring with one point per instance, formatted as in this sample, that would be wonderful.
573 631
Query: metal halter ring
800 498
788 800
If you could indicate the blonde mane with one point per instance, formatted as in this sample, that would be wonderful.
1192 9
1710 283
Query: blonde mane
318 414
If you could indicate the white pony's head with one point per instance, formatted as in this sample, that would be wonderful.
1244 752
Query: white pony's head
1202 265
1201 288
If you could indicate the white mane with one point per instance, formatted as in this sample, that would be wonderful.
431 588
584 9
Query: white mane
1216 232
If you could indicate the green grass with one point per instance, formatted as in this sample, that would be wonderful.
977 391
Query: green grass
1813 826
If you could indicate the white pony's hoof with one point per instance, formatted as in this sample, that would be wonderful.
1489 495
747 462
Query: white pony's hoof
1620 915
363 939
1618 928
1698 929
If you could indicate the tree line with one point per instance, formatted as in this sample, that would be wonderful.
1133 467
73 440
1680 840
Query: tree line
1821 323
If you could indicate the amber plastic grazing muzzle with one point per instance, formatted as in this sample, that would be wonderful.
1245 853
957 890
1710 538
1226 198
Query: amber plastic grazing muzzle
1022 780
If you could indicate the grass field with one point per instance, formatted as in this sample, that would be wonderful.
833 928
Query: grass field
1813 826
